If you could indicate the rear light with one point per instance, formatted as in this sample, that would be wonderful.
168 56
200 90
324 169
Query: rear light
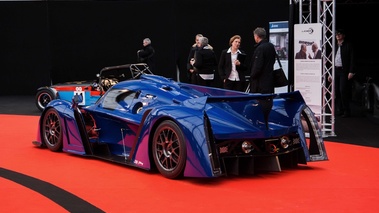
247 147
284 142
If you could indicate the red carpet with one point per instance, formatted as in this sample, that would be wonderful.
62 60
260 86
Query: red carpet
348 182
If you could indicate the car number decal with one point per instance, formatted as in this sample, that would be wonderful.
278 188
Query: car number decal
79 91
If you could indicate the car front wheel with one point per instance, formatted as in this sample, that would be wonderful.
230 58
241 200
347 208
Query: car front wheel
169 150
52 130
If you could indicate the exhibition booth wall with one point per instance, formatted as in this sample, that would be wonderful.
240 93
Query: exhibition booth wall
48 42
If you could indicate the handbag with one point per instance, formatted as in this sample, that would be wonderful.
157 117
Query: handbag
280 78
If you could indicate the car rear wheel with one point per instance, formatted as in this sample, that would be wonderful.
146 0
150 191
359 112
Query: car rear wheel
52 130
43 97
169 150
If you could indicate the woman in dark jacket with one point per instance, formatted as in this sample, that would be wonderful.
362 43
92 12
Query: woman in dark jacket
205 63
232 66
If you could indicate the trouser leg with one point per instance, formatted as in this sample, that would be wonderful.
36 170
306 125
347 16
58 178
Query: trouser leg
345 88
266 109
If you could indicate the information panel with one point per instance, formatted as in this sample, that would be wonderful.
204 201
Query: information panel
308 64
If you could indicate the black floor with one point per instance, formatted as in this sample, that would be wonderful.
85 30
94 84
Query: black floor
18 105
360 129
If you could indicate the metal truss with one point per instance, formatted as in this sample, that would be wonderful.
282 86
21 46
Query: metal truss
325 16
305 12
357 1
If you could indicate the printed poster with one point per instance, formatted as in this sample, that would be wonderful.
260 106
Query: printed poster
308 64
278 32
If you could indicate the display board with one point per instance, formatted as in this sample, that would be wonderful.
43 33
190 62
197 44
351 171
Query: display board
307 68
279 37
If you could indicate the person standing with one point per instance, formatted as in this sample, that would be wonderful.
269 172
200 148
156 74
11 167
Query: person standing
344 72
191 58
232 66
205 63
316 52
302 54
262 66
146 54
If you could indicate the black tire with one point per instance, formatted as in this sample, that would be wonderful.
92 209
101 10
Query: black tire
169 150
51 130
43 97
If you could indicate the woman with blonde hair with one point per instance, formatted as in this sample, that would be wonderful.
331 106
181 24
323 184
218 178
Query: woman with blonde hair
232 66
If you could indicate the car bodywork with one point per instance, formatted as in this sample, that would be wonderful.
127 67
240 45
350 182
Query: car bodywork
90 90
370 97
179 129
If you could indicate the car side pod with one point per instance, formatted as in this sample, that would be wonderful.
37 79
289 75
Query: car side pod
309 129
315 149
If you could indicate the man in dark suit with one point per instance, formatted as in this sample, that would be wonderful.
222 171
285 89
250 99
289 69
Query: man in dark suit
262 63
344 72
191 58
146 54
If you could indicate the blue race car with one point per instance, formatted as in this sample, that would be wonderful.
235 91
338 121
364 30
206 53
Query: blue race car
90 90
184 130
